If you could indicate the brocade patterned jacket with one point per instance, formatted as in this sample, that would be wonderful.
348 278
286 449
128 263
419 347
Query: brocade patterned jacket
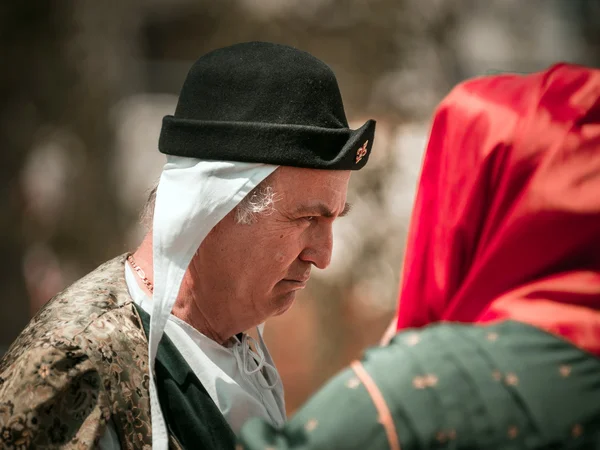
83 361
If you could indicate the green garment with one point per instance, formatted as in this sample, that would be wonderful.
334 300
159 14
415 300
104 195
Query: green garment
452 386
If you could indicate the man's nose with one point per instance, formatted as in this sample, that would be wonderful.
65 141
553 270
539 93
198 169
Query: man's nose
319 246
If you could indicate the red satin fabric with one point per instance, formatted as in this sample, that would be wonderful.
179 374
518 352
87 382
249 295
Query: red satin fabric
506 223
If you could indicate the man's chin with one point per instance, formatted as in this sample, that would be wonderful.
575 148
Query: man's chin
284 303
282 311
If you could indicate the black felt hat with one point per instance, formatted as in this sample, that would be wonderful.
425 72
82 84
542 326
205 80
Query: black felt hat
268 103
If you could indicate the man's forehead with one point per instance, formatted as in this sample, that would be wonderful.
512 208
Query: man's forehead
312 191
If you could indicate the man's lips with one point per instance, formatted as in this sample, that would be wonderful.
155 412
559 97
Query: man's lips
298 280
299 283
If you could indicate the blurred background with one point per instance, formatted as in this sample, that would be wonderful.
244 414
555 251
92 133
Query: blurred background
84 86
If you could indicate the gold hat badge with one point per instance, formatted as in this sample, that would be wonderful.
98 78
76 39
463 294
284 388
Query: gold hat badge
361 152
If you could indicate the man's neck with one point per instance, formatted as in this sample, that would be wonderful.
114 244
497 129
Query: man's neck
186 307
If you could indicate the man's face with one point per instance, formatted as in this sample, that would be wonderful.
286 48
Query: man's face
257 269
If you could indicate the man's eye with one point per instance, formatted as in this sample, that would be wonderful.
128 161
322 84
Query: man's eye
310 218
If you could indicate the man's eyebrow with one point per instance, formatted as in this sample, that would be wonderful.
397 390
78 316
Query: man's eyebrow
322 210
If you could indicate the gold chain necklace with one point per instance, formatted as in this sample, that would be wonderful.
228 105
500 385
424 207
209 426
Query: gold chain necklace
140 273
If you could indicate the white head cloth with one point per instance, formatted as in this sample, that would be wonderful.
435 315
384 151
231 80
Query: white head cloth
193 196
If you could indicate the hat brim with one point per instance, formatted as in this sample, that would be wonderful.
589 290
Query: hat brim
268 143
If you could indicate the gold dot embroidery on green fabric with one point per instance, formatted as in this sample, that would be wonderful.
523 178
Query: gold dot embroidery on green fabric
492 336
425 381
431 380
513 432
445 436
418 383
497 375
565 370
511 379
412 339
353 383
577 430
311 425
